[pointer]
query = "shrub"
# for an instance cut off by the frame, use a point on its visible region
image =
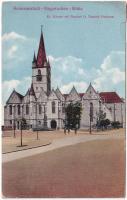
(115, 124)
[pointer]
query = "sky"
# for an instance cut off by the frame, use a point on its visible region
(84, 41)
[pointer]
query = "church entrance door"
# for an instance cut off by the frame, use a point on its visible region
(53, 124)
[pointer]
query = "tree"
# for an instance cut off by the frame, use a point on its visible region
(73, 115)
(100, 119)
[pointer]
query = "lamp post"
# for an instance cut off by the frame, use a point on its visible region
(21, 123)
(36, 122)
(14, 121)
(90, 117)
(121, 115)
(58, 114)
(45, 117)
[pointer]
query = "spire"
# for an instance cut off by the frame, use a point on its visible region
(41, 56)
(34, 58)
(31, 91)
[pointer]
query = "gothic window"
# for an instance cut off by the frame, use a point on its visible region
(27, 110)
(18, 109)
(53, 107)
(40, 109)
(63, 108)
(10, 109)
(39, 76)
(91, 112)
(39, 72)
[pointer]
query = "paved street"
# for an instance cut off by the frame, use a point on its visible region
(60, 142)
(73, 166)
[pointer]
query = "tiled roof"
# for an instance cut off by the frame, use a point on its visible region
(110, 97)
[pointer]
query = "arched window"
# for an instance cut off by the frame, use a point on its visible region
(91, 112)
(63, 108)
(39, 76)
(10, 109)
(53, 107)
(18, 109)
(39, 72)
(27, 110)
(40, 109)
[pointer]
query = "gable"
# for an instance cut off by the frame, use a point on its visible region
(73, 95)
(42, 97)
(59, 94)
(91, 93)
(26, 99)
(15, 97)
(53, 96)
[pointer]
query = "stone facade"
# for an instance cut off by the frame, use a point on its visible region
(42, 106)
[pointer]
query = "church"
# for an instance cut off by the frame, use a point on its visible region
(43, 107)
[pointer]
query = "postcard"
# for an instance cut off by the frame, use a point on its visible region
(63, 96)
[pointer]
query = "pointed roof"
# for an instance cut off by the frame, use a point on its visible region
(59, 94)
(73, 90)
(28, 92)
(53, 93)
(90, 87)
(31, 91)
(34, 58)
(41, 56)
(17, 94)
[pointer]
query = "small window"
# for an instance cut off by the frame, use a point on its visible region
(40, 109)
(11, 122)
(53, 107)
(27, 110)
(39, 76)
(39, 72)
(10, 109)
(18, 109)
(91, 112)
(63, 108)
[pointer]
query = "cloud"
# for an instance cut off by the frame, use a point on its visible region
(67, 69)
(111, 71)
(67, 64)
(80, 87)
(12, 51)
(13, 36)
(16, 49)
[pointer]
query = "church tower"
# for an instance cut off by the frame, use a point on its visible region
(41, 70)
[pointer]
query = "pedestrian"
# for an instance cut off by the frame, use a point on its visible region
(65, 130)
(68, 130)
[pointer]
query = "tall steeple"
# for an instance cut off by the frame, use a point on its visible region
(41, 71)
(41, 56)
